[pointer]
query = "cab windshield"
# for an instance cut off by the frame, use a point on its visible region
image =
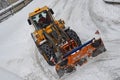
(41, 20)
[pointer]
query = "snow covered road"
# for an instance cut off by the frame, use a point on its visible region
(19, 55)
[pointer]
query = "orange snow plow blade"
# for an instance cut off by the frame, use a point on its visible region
(79, 55)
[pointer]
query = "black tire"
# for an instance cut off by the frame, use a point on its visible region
(72, 34)
(47, 53)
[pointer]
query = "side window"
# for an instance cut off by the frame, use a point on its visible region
(35, 20)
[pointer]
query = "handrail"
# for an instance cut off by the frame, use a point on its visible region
(12, 9)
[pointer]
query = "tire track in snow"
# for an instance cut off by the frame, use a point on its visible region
(71, 9)
(65, 3)
(92, 14)
(112, 75)
(54, 3)
(104, 23)
(48, 73)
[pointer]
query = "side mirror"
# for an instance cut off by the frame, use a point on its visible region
(29, 22)
(51, 11)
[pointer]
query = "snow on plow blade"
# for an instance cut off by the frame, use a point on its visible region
(79, 55)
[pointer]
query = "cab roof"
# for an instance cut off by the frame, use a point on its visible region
(38, 10)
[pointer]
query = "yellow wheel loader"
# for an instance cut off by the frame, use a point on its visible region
(59, 45)
(51, 36)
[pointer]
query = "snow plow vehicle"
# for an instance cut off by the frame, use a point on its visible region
(79, 55)
(50, 34)
(60, 45)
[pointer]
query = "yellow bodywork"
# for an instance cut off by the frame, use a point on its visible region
(39, 33)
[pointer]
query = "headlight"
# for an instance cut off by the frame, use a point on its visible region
(43, 41)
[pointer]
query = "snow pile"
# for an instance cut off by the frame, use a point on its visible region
(19, 55)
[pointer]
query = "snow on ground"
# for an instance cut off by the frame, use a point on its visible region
(19, 55)
(6, 75)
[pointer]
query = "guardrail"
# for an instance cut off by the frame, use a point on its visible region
(12, 9)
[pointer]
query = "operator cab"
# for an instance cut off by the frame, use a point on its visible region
(42, 19)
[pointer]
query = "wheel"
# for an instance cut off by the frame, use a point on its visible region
(48, 54)
(72, 34)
